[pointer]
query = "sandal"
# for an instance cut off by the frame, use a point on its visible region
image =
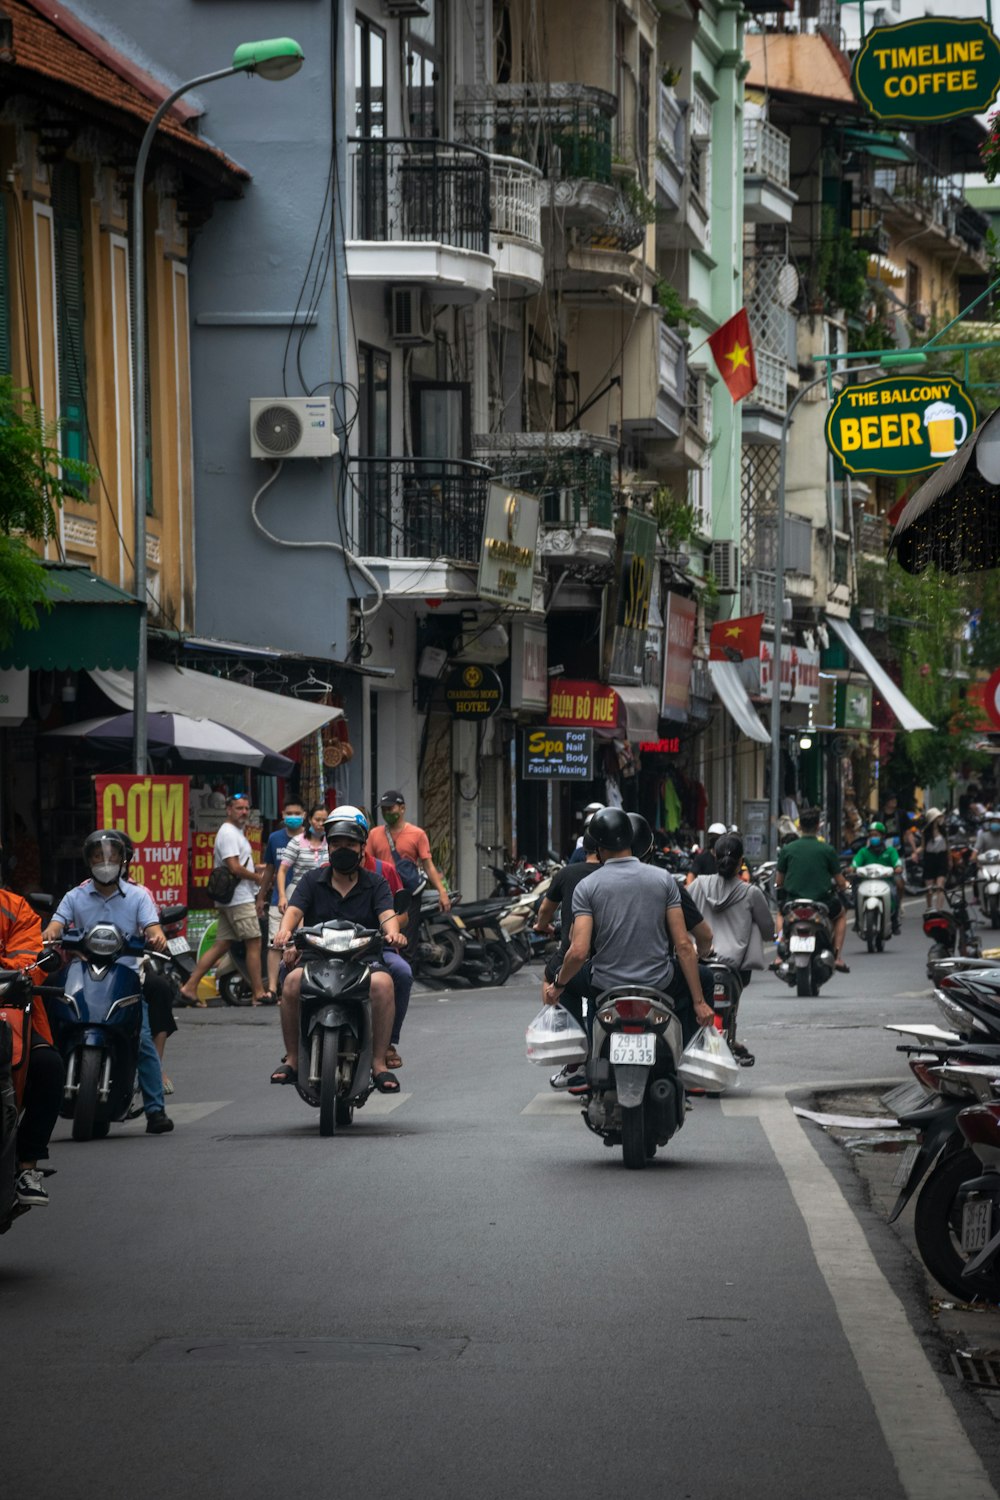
(285, 1073)
(841, 967)
(392, 1057)
(268, 998)
(387, 1083)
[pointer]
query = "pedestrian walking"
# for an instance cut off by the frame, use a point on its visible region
(935, 858)
(306, 851)
(293, 818)
(236, 913)
(406, 846)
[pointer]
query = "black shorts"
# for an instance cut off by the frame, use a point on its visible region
(936, 865)
(158, 994)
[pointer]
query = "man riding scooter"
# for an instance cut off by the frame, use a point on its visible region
(878, 851)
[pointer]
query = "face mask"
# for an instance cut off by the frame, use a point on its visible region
(392, 818)
(345, 861)
(874, 843)
(293, 824)
(995, 828)
(105, 872)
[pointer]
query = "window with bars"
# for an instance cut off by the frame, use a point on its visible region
(67, 216)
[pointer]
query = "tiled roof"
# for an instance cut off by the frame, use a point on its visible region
(62, 57)
(788, 62)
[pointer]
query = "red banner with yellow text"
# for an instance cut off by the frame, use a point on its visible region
(590, 704)
(153, 812)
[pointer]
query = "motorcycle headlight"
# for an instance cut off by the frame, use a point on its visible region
(958, 1018)
(104, 940)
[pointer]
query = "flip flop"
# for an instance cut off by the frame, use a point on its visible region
(387, 1083)
(841, 967)
(392, 1057)
(285, 1073)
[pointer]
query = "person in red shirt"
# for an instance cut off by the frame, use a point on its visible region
(395, 963)
(400, 840)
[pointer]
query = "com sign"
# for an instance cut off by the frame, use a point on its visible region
(932, 69)
(899, 426)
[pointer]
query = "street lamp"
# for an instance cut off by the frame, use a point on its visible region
(274, 60)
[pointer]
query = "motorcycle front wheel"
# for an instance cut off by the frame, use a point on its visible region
(497, 966)
(328, 1113)
(85, 1108)
(634, 1137)
(870, 921)
(937, 1226)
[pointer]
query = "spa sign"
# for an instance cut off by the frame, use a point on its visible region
(900, 426)
(927, 70)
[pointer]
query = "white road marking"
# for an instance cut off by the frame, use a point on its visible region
(382, 1104)
(928, 1444)
(183, 1114)
(553, 1104)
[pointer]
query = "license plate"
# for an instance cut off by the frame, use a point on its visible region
(976, 1218)
(178, 945)
(798, 944)
(633, 1051)
(905, 1167)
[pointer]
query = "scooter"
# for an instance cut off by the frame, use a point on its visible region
(727, 989)
(805, 948)
(98, 1021)
(951, 930)
(988, 885)
(437, 941)
(178, 963)
(873, 893)
(636, 1098)
(335, 1019)
(488, 954)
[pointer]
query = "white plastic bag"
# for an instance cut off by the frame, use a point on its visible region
(707, 1062)
(554, 1038)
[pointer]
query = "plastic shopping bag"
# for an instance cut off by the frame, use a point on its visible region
(554, 1038)
(707, 1062)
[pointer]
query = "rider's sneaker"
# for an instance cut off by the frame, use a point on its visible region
(29, 1190)
(158, 1123)
(572, 1075)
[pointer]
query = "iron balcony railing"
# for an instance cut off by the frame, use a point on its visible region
(419, 507)
(569, 472)
(515, 200)
(842, 564)
(765, 152)
(564, 129)
(771, 390)
(758, 592)
(428, 190)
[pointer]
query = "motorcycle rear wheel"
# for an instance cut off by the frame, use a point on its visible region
(497, 966)
(634, 1137)
(234, 989)
(85, 1108)
(451, 950)
(937, 1226)
(328, 1101)
(803, 982)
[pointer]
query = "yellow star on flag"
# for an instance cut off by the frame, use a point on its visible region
(737, 356)
(734, 630)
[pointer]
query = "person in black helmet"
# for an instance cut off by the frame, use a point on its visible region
(630, 913)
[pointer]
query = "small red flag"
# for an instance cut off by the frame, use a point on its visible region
(732, 350)
(735, 640)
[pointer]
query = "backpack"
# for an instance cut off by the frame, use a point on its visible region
(408, 870)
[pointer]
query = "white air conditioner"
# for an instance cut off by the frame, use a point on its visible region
(725, 564)
(291, 427)
(411, 315)
(488, 647)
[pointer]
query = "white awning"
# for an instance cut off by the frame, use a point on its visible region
(640, 712)
(729, 686)
(274, 719)
(908, 716)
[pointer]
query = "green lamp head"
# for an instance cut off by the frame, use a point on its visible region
(275, 59)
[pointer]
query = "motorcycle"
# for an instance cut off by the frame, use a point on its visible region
(727, 989)
(335, 1019)
(437, 939)
(178, 963)
(488, 954)
(988, 885)
(636, 1098)
(519, 923)
(97, 1024)
(805, 948)
(873, 892)
(951, 930)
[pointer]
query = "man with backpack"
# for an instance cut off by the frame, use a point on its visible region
(406, 846)
(233, 887)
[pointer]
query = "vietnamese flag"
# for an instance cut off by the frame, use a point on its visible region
(732, 350)
(735, 640)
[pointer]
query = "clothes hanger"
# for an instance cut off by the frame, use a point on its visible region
(312, 684)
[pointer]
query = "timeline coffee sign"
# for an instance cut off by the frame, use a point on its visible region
(932, 69)
(558, 753)
(899, 426)
(473, 692)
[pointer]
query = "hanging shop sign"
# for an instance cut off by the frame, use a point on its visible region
(473, 692)
(153, 811)
(675, 690)
(636, 560)
(799, 673)
(900, 426)
(591, 705)
(936, 68)
(660, 747)
(558, 753)
(854, 705)
(510, 546)
(529, 663)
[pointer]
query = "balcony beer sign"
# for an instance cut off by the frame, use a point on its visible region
(927, 70)
(510, 546)
(900, 426)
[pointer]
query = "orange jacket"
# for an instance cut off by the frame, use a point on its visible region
(20, 945)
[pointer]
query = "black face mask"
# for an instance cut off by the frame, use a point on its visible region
(345, 861)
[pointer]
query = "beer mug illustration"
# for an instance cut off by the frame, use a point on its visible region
(940, 419)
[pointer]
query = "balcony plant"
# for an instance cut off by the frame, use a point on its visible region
(676, 314)
(989, 151)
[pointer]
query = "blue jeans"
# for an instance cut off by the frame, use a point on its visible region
(402, 983)
(148, 1070)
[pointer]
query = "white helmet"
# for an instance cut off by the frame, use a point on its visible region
(591, 808)
(347, 822)
(718, 829)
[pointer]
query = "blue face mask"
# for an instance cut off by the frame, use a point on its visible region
(294, 824)
(874, 843)
(995, 828)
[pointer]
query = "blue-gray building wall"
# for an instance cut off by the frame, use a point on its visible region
(248, 264)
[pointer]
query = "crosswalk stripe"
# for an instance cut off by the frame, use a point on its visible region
(553, 1104)
(382, 1104)
(183, 1114)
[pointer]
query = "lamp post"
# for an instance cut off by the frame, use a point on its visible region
(274, 60)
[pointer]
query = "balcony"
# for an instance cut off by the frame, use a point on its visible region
(758, 593)
(764, 408)
(516, 223)
(868, 231)
(655, 378)
(570, 472)
(871, 537)
(670, 146)
(415, 518)
(421, 212)
(767, 194)
(918, 203)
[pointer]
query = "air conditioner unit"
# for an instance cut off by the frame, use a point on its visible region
(488, 647)
(725, 564)
(411, 315)
(400, 8)
(291, 427)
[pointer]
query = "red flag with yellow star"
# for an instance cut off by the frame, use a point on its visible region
(735, 640)
(732, 349)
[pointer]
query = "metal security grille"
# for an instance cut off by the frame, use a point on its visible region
(758, 499)
(767, 312)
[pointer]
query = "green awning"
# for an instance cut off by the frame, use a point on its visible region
(874, 144)
(92, 624)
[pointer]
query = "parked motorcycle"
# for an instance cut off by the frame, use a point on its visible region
(951, 929)
(436, 939)
(178, 963)
(98, 1021)
(805, 948)
(519, 923)
(873, 893)
(636, 1097)
(488, 956)
(988, 885)
(335, 1019)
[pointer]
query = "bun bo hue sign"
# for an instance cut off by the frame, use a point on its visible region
(932, 69)
(590, 704)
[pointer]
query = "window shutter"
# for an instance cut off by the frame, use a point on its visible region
(68, 219)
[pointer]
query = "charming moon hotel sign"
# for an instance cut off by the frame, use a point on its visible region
(932, 69)
(899, 426)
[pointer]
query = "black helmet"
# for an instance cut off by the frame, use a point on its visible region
(611, 829)
(642, 836)
(103, 841)
(589, 846)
